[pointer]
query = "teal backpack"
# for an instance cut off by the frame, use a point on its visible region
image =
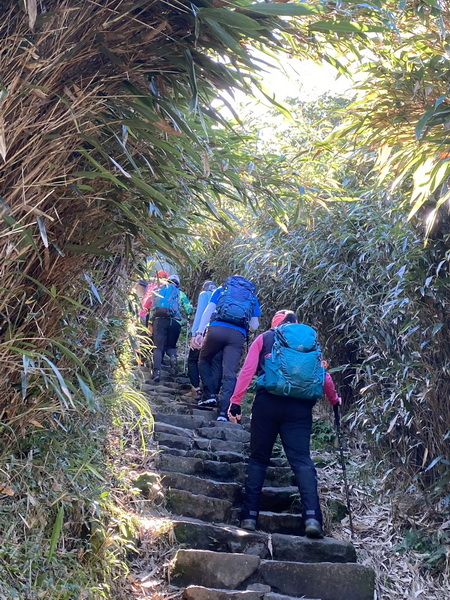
(165, 301)
(294, 366)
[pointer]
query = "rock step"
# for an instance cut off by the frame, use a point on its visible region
(219, 570)
(224, 431)
(275, 476)
(178, 450)
(288, 523)
(175, 439)
(197, 592)
(183, 421)
(278, 499)
(198, 506)
(220, 538)
(216, 445)
(207, 487)
(226, 538)
(274, 499)
(161, 427)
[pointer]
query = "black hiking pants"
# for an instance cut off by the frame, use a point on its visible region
(166, 332)
(291, 419)
(194, 371)
(231, 343)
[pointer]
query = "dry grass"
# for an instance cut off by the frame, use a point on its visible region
(380, 520)
(62, 68)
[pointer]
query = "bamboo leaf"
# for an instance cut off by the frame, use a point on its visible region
(93, 288)
(231, 18)
(283, 10)
(87, 391)
(60, 378)
(345, 27)
(42, 231)
(56, 532)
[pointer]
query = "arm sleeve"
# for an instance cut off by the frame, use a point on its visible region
(254, 324)
(202, 302)
(330, 390)
(206, 317)
(248, 370)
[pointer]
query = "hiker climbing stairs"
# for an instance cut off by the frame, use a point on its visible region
(202, 466)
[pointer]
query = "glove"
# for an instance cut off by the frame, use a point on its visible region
(235, 410)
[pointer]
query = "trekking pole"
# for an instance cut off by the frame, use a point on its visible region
(337, 421)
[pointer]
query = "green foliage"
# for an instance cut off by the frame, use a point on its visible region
(401, 114)
(361, 276)
(432, 547)
(323, 434)
(56, 489)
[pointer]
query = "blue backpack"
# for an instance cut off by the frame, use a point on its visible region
(236, 304)
(166, 301)
(294, 366)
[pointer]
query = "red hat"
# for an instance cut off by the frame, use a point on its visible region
(278, 318)
(163, 274)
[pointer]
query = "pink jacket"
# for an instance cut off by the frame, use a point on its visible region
(250, 367)
(146, 302)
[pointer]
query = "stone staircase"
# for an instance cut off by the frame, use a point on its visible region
(202, 465)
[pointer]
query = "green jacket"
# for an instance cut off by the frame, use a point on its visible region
(186, 308)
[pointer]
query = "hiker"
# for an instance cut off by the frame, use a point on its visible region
(167, 303)
(146, 301)
(233, 309)
(208, 288)
(297, 379)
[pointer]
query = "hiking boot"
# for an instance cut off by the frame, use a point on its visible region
(248, 524)
(207, 403)
(313, 529)
(156, 376)
(222, 417)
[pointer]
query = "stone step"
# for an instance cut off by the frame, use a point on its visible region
(196, 466)
(161, 427)
(184, 421)
(232, 452)
(198, 506)
(327, 581)
(198, 592)
(279, 477)
(207, 487)
(169, 440)
(150, 393)
(275, 476)
(229, 431)
(219, 570)
(272, 596)
(220, 538)
(226, 538)
(278, 499)
(288, 523)
(294, 548)
(181, 448)
(257, 592)
(215, 445)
